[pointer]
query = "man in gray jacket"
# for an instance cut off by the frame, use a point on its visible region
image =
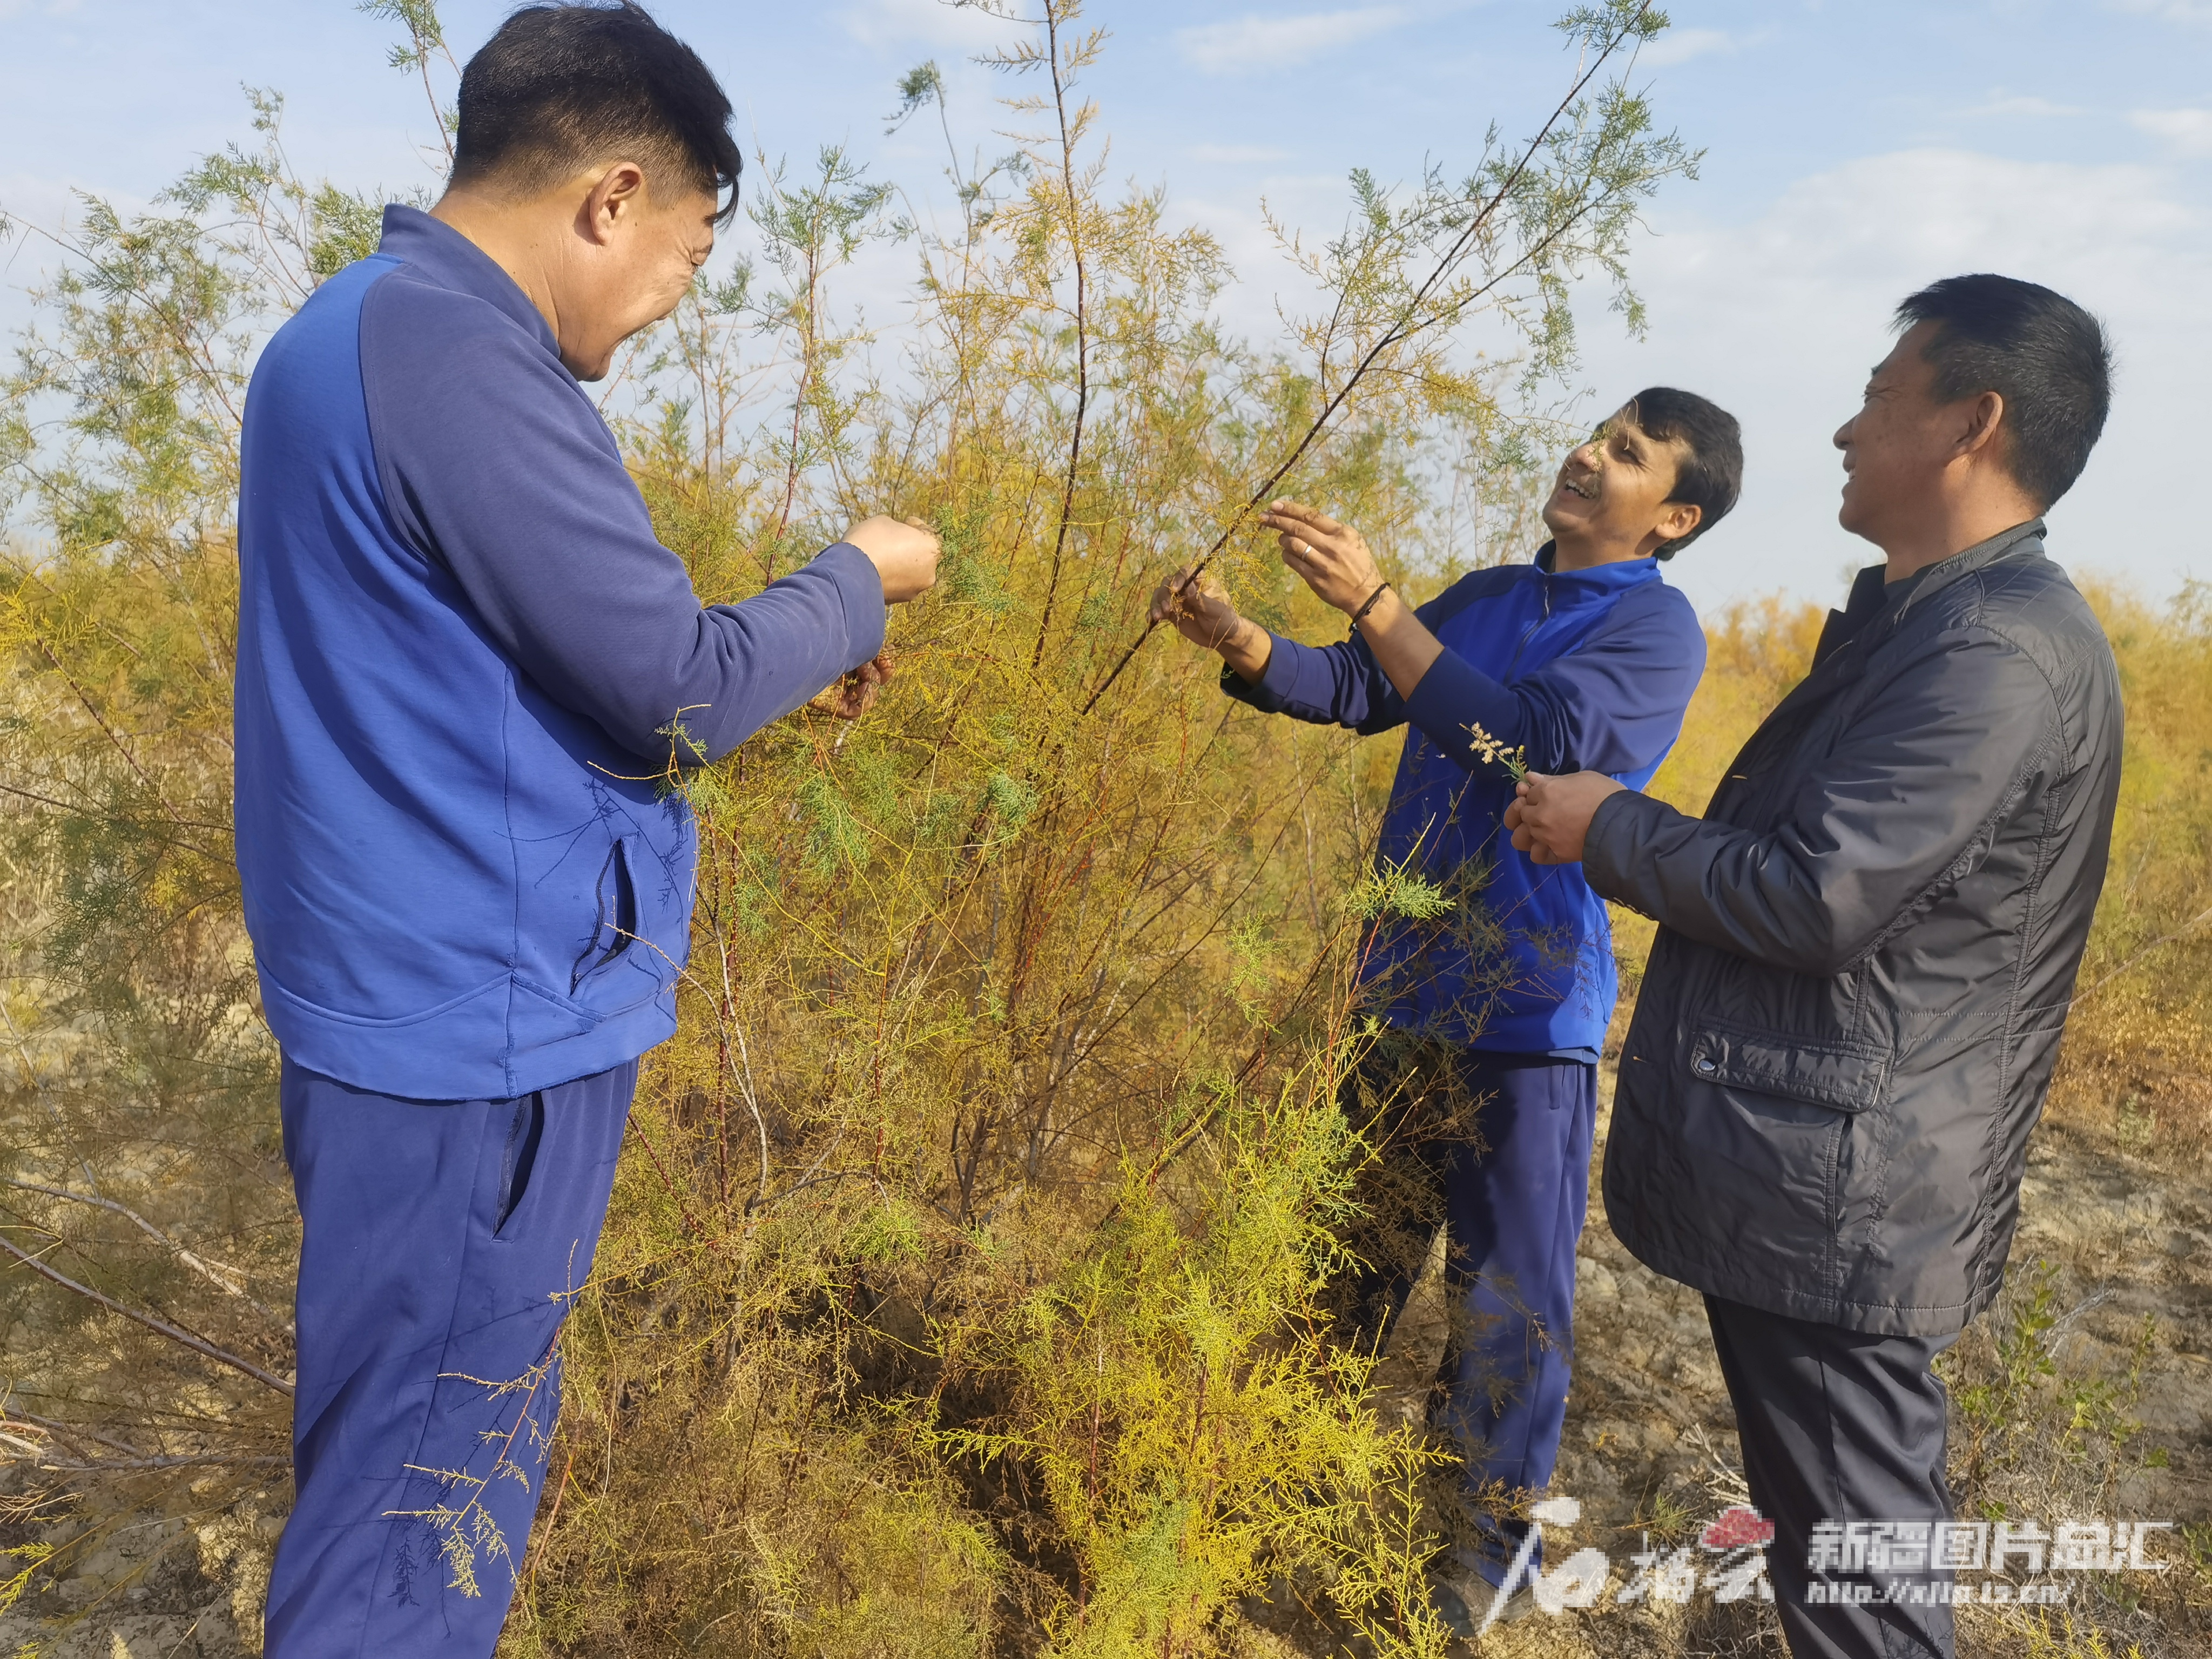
(1866, 950)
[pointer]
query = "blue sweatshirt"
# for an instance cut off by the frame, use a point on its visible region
(1586, 670)
(460, 652)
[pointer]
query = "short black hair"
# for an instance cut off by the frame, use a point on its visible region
(2043, 354)
(1712, 472)
(559, 87)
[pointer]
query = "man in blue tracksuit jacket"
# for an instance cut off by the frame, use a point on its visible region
(1502, 1005)
(462, 654)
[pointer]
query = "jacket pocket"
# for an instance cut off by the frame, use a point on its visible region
(615, 929)
(1843, 1076)
(1769, 1124)
(520, 1159)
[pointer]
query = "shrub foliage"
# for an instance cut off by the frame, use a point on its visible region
(962, 1290)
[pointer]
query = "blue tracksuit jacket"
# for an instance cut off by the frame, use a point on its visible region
(460, 652)
(1587, 671)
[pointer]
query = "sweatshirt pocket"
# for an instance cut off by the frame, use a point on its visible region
(615, 929)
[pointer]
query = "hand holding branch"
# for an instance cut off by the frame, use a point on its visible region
(1196, 603)
(904, 551)
(856, 693)
(1550, 817)
(1334, 559)
(1331, 558)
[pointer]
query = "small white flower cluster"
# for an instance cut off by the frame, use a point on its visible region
(1495, 753)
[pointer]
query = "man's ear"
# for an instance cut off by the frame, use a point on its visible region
(1678, 519)
(618, 194)
(1984, 419)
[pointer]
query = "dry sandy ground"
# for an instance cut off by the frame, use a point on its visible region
(1649, 1443)
(1651, 1439)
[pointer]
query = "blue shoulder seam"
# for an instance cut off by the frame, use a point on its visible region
(1482, 584)
(387, 484)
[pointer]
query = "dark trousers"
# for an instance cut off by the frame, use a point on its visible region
(1497, 1147)
(439, 1239)
(1840, 1426)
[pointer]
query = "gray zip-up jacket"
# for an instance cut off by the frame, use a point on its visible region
(1866, 951)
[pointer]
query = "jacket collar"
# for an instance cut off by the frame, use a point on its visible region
(437, 252)
(1620, 575)
(2022, 538)
(1872, 597)
(1941, 574)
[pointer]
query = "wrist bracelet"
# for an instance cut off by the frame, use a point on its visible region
(1360, 615)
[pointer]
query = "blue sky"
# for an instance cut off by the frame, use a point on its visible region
(1855, 149)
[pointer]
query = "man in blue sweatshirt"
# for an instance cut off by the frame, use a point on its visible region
(1483, 1099)
(462, 657)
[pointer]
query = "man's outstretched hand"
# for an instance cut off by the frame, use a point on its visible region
(1199, 611)
(1332, 558)
(904, 552)
(1551, 817)
(856, 693)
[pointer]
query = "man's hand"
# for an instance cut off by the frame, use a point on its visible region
(1550, 817)
(856, 693)
(1332, 558)
(904, 552)
(1201, 611)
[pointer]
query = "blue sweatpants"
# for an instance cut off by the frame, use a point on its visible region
(440, 1239)
(1497, 1147)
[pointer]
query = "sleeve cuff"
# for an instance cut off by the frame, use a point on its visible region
(1270, 693)
(854, 574)
(1610, 845)
(1454, 697)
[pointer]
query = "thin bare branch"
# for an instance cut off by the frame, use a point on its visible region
(229, 1281)
(1406, 325)
(159, 1327)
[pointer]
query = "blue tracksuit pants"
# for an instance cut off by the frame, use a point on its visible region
(1497, 1147)
(440, 1238)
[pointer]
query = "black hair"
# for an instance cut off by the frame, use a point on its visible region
(2043, 354)
(559, 87)
(1711, 475)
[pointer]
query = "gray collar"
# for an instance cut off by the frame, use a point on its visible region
(2026, 539)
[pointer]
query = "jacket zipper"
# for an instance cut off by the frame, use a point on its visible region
(1544, 586)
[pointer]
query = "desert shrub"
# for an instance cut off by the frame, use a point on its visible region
(960, 1289)
(139, 1162)
(963, 1288)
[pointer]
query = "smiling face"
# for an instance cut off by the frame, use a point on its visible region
(636, 256)
(1898, 446)
(1610, 499)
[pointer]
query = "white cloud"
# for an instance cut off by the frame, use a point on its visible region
(2022, 104)
(2188, 131)
(1253, 42)
(1680, 45)
(925, 23)
(1237, 154)
(2178, 11)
